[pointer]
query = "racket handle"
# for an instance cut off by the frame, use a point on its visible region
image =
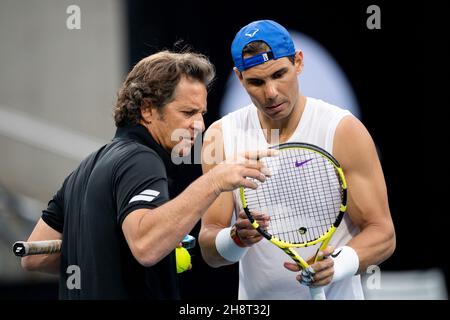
(317, 293)
(22, 248)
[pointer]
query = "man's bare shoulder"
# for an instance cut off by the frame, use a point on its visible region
(353, 144)
(216, 125)
(350, 128)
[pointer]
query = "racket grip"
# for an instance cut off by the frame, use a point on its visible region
(317, 293)
(22, 248)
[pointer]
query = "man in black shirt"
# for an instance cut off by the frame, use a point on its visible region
(113, 214)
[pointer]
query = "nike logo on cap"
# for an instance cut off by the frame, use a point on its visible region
(252, 34)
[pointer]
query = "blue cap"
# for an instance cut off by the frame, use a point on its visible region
(275, 35)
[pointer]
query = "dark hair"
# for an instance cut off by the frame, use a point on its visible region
(155, 79)
(259, 46)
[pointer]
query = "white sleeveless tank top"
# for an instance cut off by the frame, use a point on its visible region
(261, 271)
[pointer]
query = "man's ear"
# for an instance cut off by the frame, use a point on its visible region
(147, 111)
(238, 74)
(298, 61)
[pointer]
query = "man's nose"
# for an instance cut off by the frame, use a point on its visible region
(271, 91)
(199, 124)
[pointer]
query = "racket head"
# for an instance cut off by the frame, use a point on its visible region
(305, 197)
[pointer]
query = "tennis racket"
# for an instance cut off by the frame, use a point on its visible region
(305, 197)
(22, 248)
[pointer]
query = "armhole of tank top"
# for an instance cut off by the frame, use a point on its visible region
(332, 129)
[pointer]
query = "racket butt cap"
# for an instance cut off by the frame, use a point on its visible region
(19, 249)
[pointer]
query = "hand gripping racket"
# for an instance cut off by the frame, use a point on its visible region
(305, 197)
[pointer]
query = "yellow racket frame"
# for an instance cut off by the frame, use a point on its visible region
(287, 247)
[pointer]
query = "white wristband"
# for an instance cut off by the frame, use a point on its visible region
(346, 263)
(227, 248)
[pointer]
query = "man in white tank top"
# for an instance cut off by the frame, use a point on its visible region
(267, 66)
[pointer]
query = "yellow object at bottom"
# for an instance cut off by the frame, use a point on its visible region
(183, 259)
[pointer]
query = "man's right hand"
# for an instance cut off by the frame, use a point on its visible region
(245, 231)
(232, 174)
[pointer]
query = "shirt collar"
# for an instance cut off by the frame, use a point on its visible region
(141, 135)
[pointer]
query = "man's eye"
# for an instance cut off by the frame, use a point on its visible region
(256, 83)
(278, 75)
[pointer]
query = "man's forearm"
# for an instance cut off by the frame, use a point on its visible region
(208, 248)
(373, 245)
(162, 229)
(46, 263)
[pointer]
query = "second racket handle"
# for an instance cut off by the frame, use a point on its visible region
(22, 248)
(317, 293)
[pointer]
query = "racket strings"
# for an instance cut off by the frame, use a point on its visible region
(302, 197)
